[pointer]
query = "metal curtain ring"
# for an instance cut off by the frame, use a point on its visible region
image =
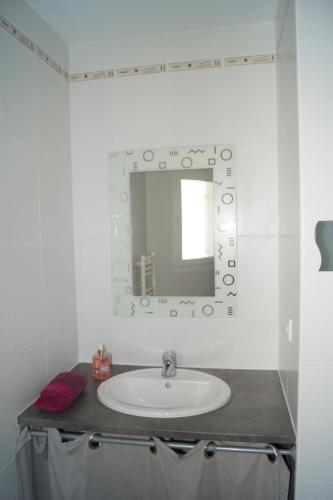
(153, 447)
(92, 443)
(210, 450)
(153, 450)
(272, 458)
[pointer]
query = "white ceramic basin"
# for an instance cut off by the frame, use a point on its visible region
(146, 393)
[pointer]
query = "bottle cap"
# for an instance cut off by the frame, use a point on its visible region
(101, 350)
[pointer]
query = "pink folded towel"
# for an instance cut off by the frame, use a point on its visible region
(61, 392)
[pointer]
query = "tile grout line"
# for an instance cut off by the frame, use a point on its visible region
(8, 464)
(286, 400)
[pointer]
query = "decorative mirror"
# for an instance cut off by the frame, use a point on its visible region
(173, 232)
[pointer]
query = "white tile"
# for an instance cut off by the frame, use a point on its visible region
(258, 277)
(90, 196)
(117, 53)
(49, 41)
(157, 336)
(8, 487)
(289, 309)
(314, 490)
(30, 372)
(252, 344)
(161, 48)
(61, 351)
(230, 41)
(18, 89)
(315, 438)
(257, 191)
(289, 281)
(257, 39)
(87, 343)
(317, 341)
(65, 60)
(88, 139)
(239, 343)
(3, 214)
(286, 70)
(93, 282)
(21, 182)
(26, 293)
(60, 299)
(52, 128)
(249, 107)
(8, 415)
(66, 119)
(280, 19)
(200, 343)
(235, 105)
(5, 307)
(55, 196)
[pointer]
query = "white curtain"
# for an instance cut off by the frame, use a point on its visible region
(49, 469)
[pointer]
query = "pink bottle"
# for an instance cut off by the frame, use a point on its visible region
(102, 364)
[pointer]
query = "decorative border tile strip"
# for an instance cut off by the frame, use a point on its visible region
(140, 70)
(238, 61)
(48, 60)
(92, 75)
(190, 65)
(22, 38)
(25, 40)
(176, 66)
(17, 33)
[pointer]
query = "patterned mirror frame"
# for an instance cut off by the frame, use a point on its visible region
(221, 158)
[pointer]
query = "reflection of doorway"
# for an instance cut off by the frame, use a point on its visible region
(162, 205)
(197, 219)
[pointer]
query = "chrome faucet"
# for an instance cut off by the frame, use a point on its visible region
(169, 364)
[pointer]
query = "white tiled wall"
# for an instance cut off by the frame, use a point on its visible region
(314, 31)
(171, 47)
(289, 202)
(38, 332)
(234, 105)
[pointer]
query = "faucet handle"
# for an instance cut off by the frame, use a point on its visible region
(170, 356)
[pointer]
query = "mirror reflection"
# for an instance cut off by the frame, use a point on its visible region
(172, 221)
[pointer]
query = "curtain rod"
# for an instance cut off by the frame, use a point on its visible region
(98, 439)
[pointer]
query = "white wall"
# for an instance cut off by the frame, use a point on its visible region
(233, 105)
(38, 334)
(314, 29)
(289, 200)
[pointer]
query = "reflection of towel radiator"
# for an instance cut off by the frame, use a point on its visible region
(147, 272)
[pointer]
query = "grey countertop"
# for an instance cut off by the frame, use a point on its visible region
(256, 413)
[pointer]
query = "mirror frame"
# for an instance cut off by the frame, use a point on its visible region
(219, 157)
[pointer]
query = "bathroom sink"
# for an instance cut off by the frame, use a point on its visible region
(146, 393)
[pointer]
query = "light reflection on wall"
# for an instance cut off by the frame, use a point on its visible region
(197, 219)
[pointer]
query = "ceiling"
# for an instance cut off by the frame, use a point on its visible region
(85, 21)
